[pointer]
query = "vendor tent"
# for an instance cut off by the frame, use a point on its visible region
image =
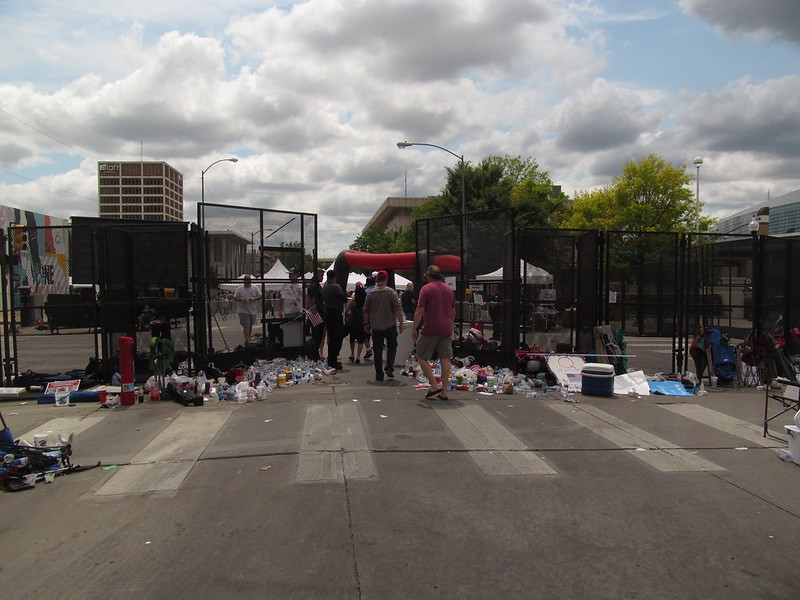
(529, 274)
(400, 282)
(354, 278)
(278, 271)
(232, 287)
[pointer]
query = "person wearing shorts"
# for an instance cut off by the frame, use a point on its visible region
(246, 297)
(433, 328)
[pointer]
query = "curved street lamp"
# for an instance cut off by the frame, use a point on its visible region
(698, 160)
(403, 145)
(203, 176)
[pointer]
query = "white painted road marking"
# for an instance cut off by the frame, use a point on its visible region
(334, 445)
(495, 449)
(722, 422)
(64, 426)
(166, 461)
(660, 454)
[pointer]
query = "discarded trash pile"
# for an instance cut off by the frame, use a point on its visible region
(240, 384)
(563, 374)
(24, 464)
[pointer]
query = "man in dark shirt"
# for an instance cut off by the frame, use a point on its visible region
(334, 298)
(314, 302)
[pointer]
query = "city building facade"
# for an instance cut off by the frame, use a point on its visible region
(150, 191)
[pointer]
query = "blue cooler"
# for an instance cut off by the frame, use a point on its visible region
(597, 379)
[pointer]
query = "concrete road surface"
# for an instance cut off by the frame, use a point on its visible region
(349, 489)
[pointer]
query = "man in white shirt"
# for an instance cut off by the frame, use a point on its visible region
(246, 298)
(290, 303)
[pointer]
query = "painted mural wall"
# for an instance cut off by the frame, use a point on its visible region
(43, 266)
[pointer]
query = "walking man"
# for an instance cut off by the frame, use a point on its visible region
(334, 298)
(382, 309)
(246, 297)
(436, 313)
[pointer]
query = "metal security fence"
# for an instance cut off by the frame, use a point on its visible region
(70, 292)
(265, 244)
(547, 290)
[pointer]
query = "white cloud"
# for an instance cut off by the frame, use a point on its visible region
(764, 19)
(313, 96)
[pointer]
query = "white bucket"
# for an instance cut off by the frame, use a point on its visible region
(40, 440)
(793, 435)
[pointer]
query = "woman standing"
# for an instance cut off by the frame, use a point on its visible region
(354, 317)
(409, 301)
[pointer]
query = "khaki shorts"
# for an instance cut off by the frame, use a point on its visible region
(247, 320)
(428, 344)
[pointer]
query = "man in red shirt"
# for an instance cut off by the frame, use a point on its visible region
(436, 312)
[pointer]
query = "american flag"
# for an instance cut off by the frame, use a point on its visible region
(313, 316)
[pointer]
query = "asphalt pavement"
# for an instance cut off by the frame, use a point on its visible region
(347, 488)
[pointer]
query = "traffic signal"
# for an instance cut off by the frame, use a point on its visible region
(20, 238)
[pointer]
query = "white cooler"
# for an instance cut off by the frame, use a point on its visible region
(597, 379)
(793, 435)
(405, 344)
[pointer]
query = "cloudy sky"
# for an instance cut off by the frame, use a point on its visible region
(313, 97)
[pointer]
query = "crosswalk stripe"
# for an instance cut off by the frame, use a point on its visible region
(165, 462)
(495, 449)
(659, 453)
(64, 426)
(722, 422)
(334, 445)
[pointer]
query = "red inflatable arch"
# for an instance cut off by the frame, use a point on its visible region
(399, 261)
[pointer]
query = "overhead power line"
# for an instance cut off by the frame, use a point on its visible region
(52, 137)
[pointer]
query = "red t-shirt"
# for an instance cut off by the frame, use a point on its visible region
(438, 300)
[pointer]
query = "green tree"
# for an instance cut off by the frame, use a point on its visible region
(649, 195)
(375, 240)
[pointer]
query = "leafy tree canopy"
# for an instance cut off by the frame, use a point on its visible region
(649, 195)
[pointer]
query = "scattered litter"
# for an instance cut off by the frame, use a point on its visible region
(109, 467)
(269, 421)
(641, 450)
(742, 448)
(384, 417)
(377, 400)
(146, 543)
(784, 455)
(265, 468)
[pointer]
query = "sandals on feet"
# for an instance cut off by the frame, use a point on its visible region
(432, 393)
(442, 397)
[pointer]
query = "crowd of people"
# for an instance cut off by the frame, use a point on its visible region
(372, 317)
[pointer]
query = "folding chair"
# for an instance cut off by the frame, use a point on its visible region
(787, 397)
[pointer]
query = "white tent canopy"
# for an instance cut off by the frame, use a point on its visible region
(233, 286)
(529, 274)
(400, 282)
(352, 279)
(278, 271)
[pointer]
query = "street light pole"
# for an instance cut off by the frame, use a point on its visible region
(403, 145)
(698, 160)
(756, 275)
(203, 176)
(463, 249)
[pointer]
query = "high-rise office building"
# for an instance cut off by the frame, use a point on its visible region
(150, 191)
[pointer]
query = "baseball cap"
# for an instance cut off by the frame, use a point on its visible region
(382, 275)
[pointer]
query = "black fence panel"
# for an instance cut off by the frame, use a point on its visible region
(90, 283)
(265, 244)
